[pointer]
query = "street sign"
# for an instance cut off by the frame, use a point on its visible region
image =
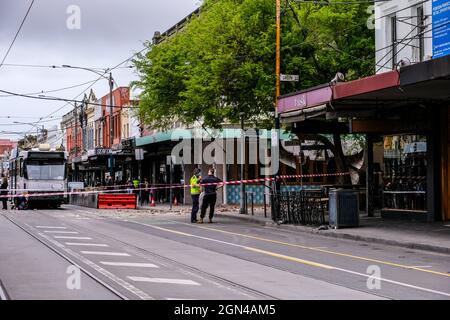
(441, 28)
(289, 78)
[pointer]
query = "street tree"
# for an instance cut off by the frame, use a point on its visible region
(221, 65)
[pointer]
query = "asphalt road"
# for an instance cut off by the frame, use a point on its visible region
(123, 255)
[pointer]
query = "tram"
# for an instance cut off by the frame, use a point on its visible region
(41, 172)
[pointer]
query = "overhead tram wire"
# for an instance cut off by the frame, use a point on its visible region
(17, 33)
(52, 91)
(61, 99)
(341, 2)
(98, 79)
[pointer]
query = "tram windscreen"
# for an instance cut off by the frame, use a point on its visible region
(45, 170)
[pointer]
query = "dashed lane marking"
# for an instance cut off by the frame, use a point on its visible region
(86, 244)
(48, 227)
(72, 238)
(61, 232)
(129, 264)
(104, 253)
(164, 280)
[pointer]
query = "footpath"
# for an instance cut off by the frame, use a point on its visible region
(434, 237)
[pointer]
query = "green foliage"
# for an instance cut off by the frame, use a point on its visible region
(223, 62)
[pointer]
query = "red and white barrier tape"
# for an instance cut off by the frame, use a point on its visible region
(223, 183)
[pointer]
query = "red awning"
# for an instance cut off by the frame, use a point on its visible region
(366, 85)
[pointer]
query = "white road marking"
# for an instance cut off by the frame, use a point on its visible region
(2, 293)
(61, 232)
(102, 253)
(47, 227)
(395, 282)
(72, 238)
(86, 244)
(139, 293)
(129, 264)
(298, 260)
(163, 280)
(424, 267)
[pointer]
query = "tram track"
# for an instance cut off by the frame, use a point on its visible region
(146, 254)
(68, 259)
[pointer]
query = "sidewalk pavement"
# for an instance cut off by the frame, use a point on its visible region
(434, 237)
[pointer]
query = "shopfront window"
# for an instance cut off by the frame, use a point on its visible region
(405, 174)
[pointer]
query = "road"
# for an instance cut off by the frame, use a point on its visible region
(133, 255)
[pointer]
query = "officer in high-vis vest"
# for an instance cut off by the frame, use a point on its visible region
(195, 193)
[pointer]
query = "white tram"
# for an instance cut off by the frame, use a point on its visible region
(38, 171)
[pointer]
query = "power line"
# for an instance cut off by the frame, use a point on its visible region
(62, 99)
(17, 33)
(51, 91)
(341, 2)
(21, 65)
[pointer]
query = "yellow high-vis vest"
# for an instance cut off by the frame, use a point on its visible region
(195, 188)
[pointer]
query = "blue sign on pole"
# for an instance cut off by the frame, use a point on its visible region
(441, 28)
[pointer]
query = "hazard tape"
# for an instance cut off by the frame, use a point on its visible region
(165, 187)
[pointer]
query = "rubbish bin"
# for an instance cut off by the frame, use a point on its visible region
(343, 208)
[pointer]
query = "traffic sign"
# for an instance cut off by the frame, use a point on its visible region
(290, 78)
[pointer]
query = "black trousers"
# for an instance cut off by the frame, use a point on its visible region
(209, 200)
(5, 205)
(195, 206)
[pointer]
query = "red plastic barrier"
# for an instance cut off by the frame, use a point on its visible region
(117, 201)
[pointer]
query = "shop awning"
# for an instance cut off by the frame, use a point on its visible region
(420, 84)
(179, 134)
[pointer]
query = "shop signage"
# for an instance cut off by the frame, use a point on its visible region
(127, 144)
(304, 100)
(102, 151)
(441, 28)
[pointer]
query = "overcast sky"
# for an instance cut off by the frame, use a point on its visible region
(110, 32)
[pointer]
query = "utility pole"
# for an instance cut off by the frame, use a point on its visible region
(111, 129)
(242, 209)
(278, 54)
(278, 84)
(75, 113)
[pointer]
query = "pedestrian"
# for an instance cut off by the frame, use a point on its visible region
(145, 193)
(110, 184)
(4, 192)
(129, 186)
(137, 186)
(210, 197)
(195, 194)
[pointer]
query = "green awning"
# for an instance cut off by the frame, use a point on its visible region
(179, 134)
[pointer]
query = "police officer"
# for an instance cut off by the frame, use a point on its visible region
(195, 193)
(210, 198)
